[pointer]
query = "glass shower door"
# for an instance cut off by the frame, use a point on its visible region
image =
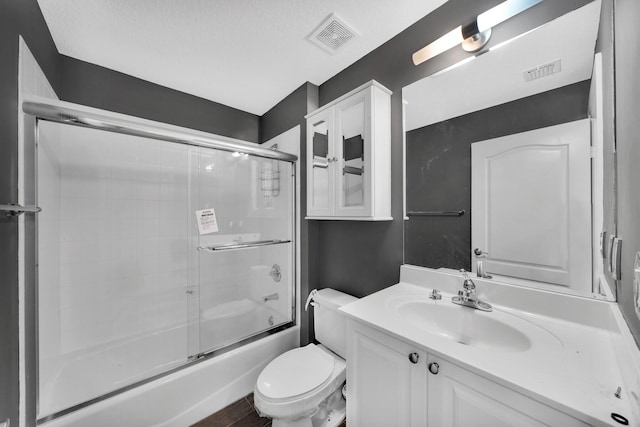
(113, 252)
(151, 254)
(245, 247)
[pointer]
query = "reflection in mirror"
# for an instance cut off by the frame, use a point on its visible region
(540, 201)
(352, 131)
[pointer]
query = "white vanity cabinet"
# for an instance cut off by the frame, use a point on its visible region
(386, 388)
(458, 397)
(386, 380)
(349, 156)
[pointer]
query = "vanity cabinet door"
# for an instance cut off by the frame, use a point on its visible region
(386, 380)
(321, 161)
(460, 398)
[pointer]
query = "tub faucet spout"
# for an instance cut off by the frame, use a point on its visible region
(274, 296)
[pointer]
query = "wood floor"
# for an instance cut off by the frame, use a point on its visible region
(239, 414)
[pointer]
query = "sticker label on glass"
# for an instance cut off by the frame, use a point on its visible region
(207, 222)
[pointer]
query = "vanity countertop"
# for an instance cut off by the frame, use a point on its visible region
(567, 362)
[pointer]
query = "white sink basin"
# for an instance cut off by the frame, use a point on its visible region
(496, 330)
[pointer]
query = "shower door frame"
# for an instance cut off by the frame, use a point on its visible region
(37, 109)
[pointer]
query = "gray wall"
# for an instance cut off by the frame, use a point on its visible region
(359, 257)
(100, 87)
(17, 17)
(628, 144)
(438, 169)
(286, 114)
(363, 257)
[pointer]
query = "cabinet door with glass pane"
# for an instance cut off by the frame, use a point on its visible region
(353, 147)
(320, 164)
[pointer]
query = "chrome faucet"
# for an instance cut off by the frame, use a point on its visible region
(467, 297)
(480, 271)
(271, 297)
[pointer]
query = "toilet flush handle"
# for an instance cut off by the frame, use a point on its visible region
(312, 294)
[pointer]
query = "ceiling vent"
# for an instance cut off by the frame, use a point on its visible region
(332, 34)
(543, 71)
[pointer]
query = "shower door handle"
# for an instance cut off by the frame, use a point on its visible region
(244, 245)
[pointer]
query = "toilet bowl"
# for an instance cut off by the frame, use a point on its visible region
(303, 387)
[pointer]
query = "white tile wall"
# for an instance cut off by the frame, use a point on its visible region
(119, 242)
(124, 244)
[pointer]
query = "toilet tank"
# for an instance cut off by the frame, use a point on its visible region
(330, 324)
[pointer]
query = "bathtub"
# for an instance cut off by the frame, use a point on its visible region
(182, 397)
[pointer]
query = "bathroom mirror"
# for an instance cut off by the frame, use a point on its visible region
(557, 73)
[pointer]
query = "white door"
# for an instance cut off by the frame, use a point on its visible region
(531, 205)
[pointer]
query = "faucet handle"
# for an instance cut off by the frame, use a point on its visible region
(479, 252)
(468, 283)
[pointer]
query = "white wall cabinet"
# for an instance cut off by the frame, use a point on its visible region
(349, 157)
(385, 388)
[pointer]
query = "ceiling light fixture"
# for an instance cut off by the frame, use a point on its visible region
(475, 35)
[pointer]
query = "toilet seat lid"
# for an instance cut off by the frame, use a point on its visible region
(295, 372)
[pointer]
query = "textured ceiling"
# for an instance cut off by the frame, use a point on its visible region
(247, 54)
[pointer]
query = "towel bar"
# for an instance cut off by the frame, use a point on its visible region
(15, 209)
(436, 213)
(237, 245)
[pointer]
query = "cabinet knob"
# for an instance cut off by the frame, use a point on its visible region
(434, 368)
(413, 357)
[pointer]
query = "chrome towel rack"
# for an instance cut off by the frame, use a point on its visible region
(436, 213)
(243, 245)
(13, 209)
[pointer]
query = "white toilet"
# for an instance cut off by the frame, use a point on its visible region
(303, 387)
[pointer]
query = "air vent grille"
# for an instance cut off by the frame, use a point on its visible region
(543, 71)
(332, 34)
